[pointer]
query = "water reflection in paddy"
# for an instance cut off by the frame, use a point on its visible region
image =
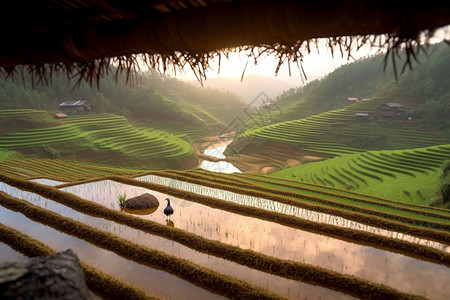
(395, 270)
(216, 149)
(47, 181)
(285, 287)
(286, 209)
(155, 282)
(8, 254)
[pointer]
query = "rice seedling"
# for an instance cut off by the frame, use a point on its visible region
(121, 198)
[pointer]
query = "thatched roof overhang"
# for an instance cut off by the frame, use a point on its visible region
(81, 35)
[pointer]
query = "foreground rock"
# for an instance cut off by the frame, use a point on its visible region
(143, 201)
(57, 276)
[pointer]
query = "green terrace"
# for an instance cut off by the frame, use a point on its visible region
(59, 170)
(337, 132)
(20, 111)
(104, 131)
(410, 176)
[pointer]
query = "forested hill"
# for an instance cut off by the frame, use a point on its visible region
(150, 98)
(425, 87)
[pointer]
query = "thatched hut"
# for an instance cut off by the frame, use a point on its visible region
(83, 37)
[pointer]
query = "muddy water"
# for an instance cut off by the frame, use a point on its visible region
(155, 282)
(286, 209)
(285, 287)
(395, 270)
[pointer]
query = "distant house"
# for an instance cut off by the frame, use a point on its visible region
(352, 99)
(391, 110)
(75, 106)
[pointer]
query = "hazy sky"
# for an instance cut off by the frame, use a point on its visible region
(316, 64)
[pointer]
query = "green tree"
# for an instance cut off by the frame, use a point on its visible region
(433, 109)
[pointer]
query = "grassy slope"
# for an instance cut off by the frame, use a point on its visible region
(410, 176)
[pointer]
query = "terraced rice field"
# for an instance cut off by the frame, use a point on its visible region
(20, 111)
(410, 176)
(330, 133)
(105, 132)
(232, 236)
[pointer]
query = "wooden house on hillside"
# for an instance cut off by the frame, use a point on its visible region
(391, 110)
(75, 106)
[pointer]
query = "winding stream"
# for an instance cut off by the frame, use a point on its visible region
(216, 149)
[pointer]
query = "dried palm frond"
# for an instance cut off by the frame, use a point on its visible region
(91, 71)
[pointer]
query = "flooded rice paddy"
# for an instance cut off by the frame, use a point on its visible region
(46, 181)
(154, 281)
(9, 254)
(286, 209)
(392, 269)
(288, 288)
(398, 271)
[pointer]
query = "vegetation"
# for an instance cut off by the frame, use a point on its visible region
(337, 132)
(318, 120)
(442, 197)
(121, 198)
(150, 98)
(409, 176)
(368, 78)
(103, 138)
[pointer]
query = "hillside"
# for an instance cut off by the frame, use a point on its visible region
(424, 88)
(339, 132)
(149, 99)
(105, 139)
(318, 115)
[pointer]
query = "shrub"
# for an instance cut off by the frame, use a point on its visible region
(445, 190)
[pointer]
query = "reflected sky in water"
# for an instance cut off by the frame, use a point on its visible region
(9, 254)
(288, 288)
(395, 270)
(216, 149)
(286, 209)
(154, 281)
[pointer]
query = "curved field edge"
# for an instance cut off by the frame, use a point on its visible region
(220, 249)
(371, 218)
(410, 175)
(97, 135)
(97, 281)
(184, 269)
(200, 276)
(33, 168)
(336, 191)
(335, 132)
(287, 188)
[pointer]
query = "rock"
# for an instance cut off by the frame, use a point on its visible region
(57, 276)
(142, 202)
